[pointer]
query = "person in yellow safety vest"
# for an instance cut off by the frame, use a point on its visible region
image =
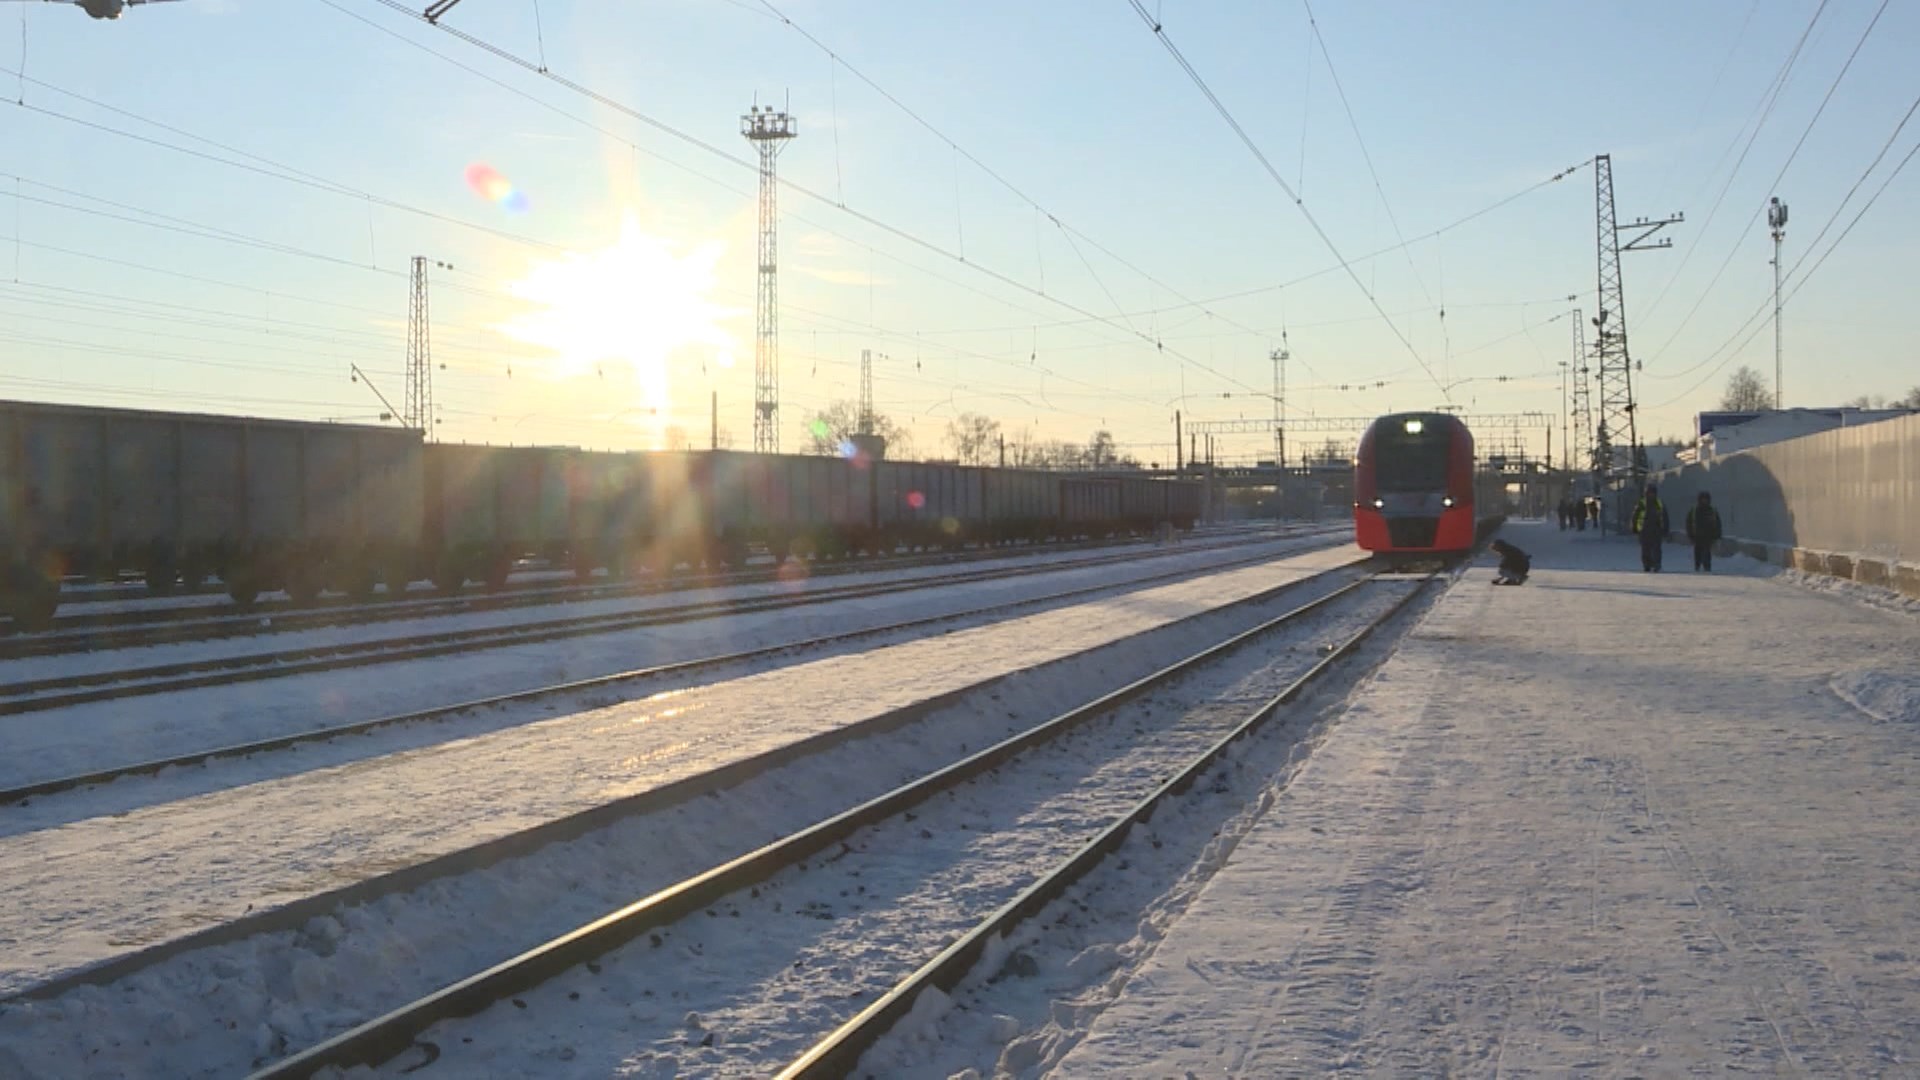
(1650, 524)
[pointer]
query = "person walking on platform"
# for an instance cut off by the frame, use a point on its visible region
(1650, 524)
(1703, 528)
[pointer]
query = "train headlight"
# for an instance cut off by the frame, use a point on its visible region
(1379, 504)
(1447, 501)
(1414, 427)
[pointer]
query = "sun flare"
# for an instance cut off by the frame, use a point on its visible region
(627, 313)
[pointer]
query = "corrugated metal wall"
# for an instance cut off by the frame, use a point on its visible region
(1853, 490)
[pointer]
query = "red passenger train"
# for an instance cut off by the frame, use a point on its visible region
(1413, 486)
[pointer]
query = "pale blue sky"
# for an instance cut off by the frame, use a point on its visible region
(1075, 104)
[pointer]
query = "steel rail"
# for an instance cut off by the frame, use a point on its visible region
(41, 695)
(525, 841)
(839, 1053)
(384, 1037)
(97, 631)
(20, 793)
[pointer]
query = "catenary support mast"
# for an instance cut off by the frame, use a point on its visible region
(1617, 434)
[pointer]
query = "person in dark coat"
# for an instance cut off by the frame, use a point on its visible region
(1650, 525)
(1514, 564)
(1703, 528)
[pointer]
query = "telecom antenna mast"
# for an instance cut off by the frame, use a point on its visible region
(1777, 221)
(768, 130)
(419, 412)
(1581, 447)
(1619, 438)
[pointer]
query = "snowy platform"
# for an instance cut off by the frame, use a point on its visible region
(1608, 822)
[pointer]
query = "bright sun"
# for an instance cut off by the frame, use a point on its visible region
(624, 312)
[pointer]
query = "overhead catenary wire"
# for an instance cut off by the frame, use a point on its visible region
(1160, 33)
(1801, 281)
(1769, 99)
(695, 141)
(1760, 208)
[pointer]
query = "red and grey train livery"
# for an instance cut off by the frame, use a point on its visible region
(1414, 486)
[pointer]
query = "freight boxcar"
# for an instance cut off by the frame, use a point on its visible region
(487, 506)
(791, 503)
(1020, 504)
(265, 504)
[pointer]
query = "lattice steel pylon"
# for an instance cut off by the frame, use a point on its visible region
(866, 391)
(1617, 436)
(769, 131)
(1582, 448)
(419, 409)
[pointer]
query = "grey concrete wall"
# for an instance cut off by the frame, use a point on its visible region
(1844, 502)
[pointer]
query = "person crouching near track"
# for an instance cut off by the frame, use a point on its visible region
(1650, 524)
(1703, 528)
(1514, 564)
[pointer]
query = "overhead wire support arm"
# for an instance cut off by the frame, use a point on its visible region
(437, 9)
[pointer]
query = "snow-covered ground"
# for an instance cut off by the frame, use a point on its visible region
(86, 738)
(216, 1011)
(84, 892)
(1608, 822)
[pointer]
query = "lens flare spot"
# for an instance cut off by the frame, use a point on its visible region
(819, 428)
(916, 500)
(950, 526)
(487, 183)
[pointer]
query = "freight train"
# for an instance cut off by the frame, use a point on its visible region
(1416, 490)
(280, 505)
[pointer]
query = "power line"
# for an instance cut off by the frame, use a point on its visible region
(1808, 251)
(1067, 231)
(1769, 99)
(1774, 186)
(1803, 279)
(695, 141)
(1207, 91)
(1364, 154)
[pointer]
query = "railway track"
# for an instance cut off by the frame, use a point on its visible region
(95, 631)
(53, 692)
(1070, 804)
(24, 792)
(372, 897)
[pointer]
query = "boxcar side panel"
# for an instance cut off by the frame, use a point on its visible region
(143, 482)
(212, 510)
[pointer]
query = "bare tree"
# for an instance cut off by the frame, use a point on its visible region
(1100, 452)
(828, 429)
(1026, 452)
(1912, 400)
(675, 438)
(1746, 392)
(975, 439)
(1868, 401)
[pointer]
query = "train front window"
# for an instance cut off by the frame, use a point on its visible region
(1406, 462)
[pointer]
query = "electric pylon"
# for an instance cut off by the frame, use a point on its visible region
(1582, 447)
(866, 391)
(419, 412)
(1618, 434)
(768, 130)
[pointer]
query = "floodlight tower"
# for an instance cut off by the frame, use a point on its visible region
(1777, 221)
(768, 130)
